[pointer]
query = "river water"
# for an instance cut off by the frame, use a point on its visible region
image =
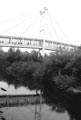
(68, 106)
(28, 113)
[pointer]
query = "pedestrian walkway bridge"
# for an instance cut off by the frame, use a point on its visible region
(21, 42)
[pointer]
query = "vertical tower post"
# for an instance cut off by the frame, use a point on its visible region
(43, 13)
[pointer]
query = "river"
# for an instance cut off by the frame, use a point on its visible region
(28, 113)
(61, 106)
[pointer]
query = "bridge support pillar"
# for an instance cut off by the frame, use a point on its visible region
(43, 47)
(13, 48)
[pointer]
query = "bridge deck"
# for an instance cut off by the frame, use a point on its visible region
(21, 42)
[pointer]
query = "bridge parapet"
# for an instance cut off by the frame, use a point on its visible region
(9, 41)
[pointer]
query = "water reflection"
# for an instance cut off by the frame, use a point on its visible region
(1, 115)
(61, 101)
(28, 112)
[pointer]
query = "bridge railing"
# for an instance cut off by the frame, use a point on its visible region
(21, 42)
(52, 45)
(7, 41)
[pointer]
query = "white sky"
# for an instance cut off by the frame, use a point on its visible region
(67, 13)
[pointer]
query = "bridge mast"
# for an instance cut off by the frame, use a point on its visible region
(42, 13)
(38, 107)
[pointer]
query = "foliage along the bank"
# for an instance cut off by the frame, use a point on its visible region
(33, 71)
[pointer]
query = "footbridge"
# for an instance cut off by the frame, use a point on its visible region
(42, 44)
(32, 43)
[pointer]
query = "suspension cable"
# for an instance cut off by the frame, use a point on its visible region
(53, 27)
(59, 27)
(50, 22)
(57, 33)
(17, 24)
(50, 32)
(30, 25)
(17, 17)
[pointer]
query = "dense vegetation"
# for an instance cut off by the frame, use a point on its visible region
(32, 70)
(56, 75)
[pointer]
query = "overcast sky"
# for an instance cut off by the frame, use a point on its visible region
(17, 16)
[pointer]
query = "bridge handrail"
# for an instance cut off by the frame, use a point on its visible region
(7, 41)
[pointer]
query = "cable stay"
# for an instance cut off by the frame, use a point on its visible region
(56, 33)
(47, 28)
(59, 26)
(18, 17)
(29, 26)
(46, 21)
(54, 29)
(49, 31)
(19, 23)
